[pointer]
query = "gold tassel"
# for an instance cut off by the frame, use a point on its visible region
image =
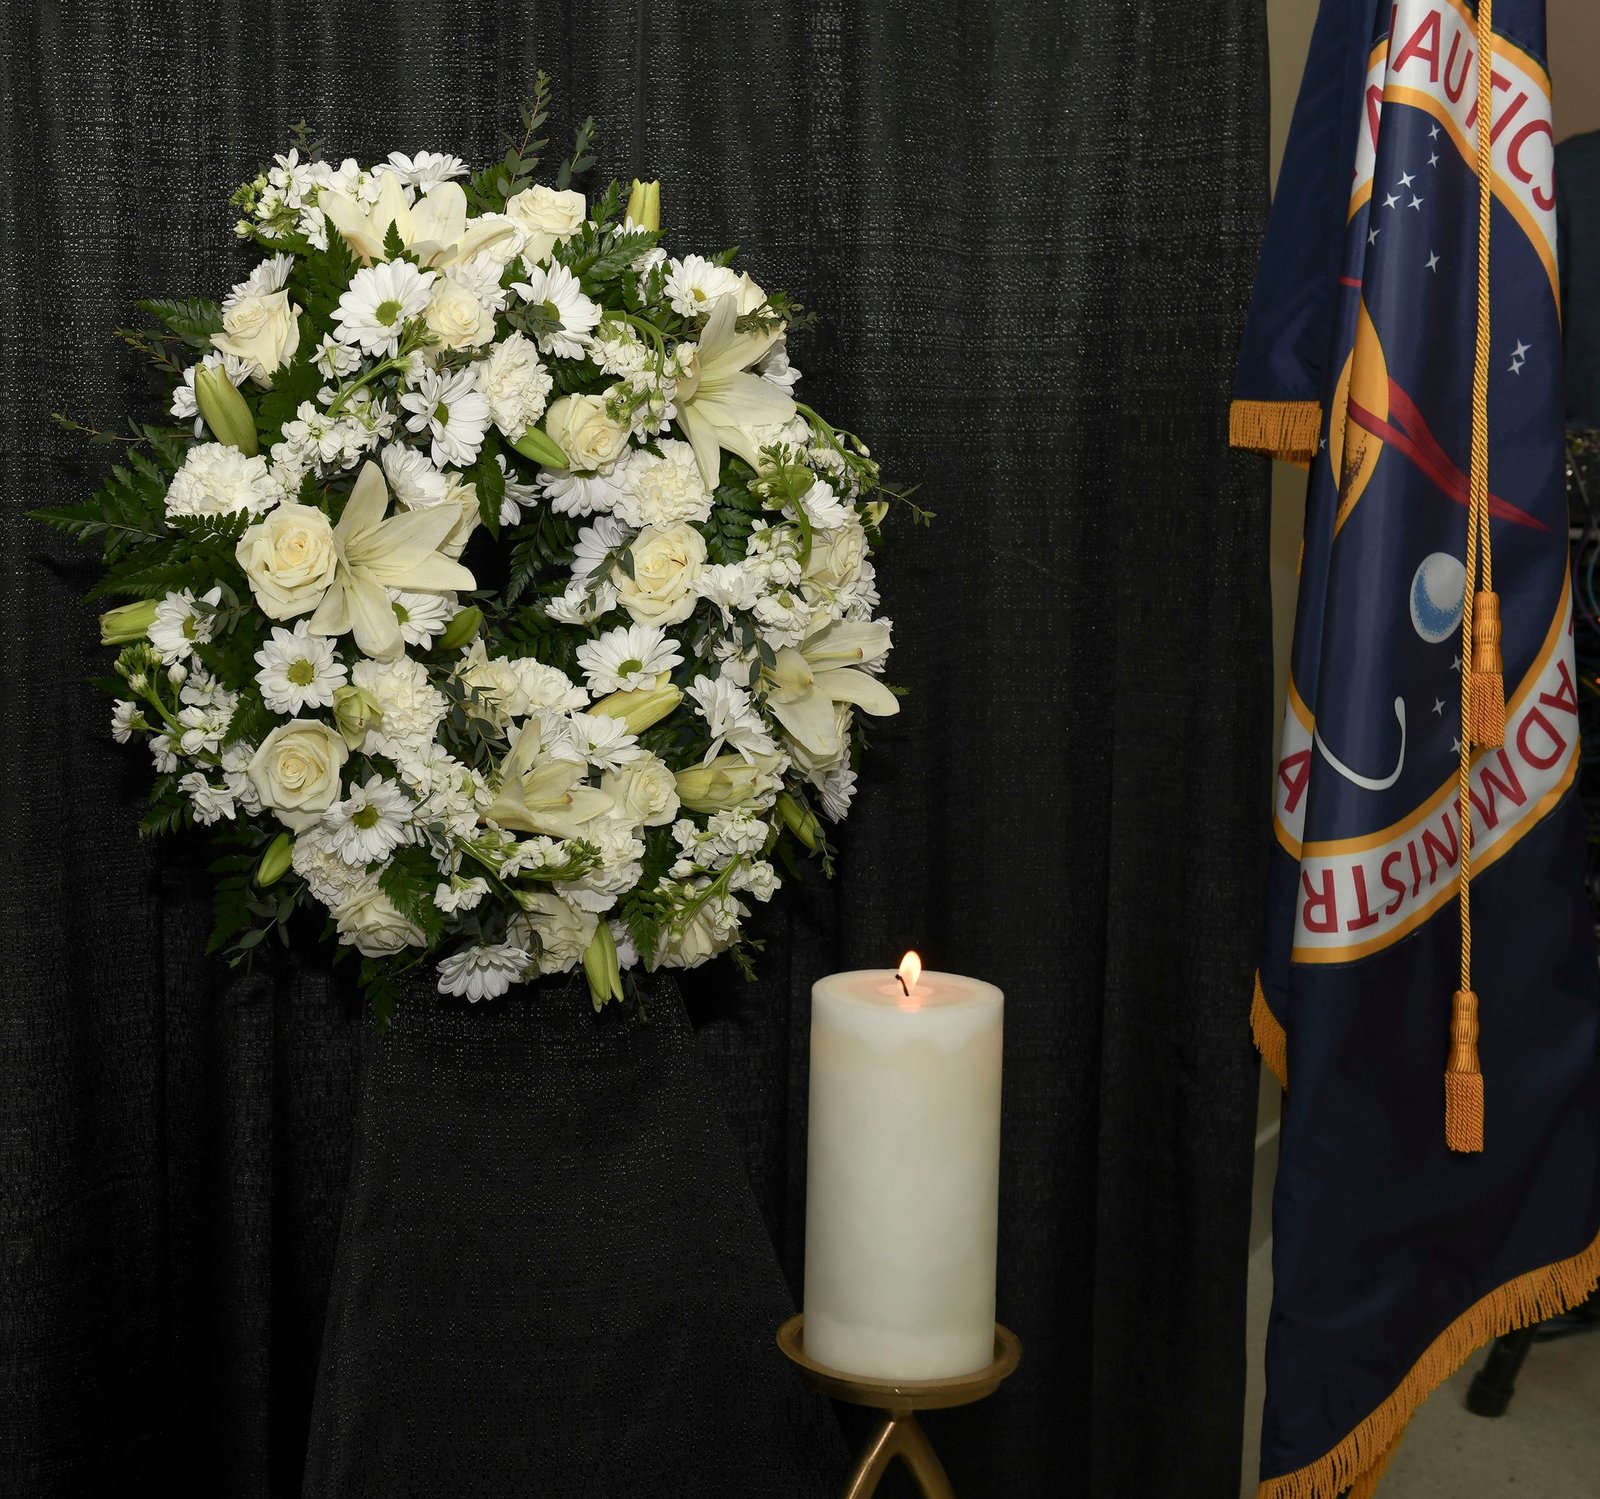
(1463, 1077)
(1488, 726)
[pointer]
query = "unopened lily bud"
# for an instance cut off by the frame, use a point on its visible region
(355, 711)
(127, 622)
(536, 444)
(800, 821)
(462, 630)
(275, 862)
(641, 707)
(600, 967)
(728, 782)
(644, 204)
(224, 410)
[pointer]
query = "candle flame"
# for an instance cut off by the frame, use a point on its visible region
(910, 972)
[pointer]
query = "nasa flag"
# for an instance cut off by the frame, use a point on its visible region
(1428, 990)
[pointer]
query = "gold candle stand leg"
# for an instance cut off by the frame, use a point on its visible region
(898, 1434)
(902, 1437)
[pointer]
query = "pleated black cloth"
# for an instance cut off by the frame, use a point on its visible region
(552, 1277)
(1031, 231)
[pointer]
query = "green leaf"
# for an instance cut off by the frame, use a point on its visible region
(194, 320)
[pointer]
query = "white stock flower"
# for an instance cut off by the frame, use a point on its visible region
(334, 360)
(209, 802)
(657, 491)
(556, 290)
(731, 718)
(179, 625)
(375, 307)
(370, 823)
(217, 479)
(694, 283)
(483, 972)
(459, 894)
(628, 657)
(125, 718)
(298, 670)
(452, 410)
(515, 384)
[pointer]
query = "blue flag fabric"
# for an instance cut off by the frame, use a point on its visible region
(1394, 1258)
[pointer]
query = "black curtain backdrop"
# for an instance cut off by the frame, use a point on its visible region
(1031, 229)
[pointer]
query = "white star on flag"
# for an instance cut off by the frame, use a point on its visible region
(1433, 260)
(1372, 236)
(1438, 706)
(1406, 179)
(1390, 201)
(1415, 202)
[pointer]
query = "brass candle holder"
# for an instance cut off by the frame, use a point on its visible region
(898, 1434)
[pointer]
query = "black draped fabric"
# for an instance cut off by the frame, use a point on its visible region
(1031, 229)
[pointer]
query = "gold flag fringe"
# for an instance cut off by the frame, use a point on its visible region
(1547, 1292)
(1281, 429)
(1269, 1036)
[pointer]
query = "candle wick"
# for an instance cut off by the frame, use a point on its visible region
(904, 985)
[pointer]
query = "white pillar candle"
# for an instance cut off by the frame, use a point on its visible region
(903, 1174)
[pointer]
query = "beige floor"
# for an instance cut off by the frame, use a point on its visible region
(1547, 1446)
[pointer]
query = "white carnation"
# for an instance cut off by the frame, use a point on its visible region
(217, 479)
(656, 491)
(412, 709)
(515, 383)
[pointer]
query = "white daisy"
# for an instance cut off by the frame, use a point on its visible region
(517, 494)
(626, 658)
(270, 276)
(217, 479)
(592, 551)
(181, 624)
(694, 283)
(374, 309)
(580, 494)
(823, 507)
(731, 718)
(369, 823)
(422, 615)
(556, 290)
(483, 972)
(426, 168)
(836, 791)
(452, 409)
(413, 478)
(459, 894)
(603, 741)
(299, 670)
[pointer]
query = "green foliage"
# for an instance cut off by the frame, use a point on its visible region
(735, 512)
(129, 511)
(540, 545)
(409, 881)
(194, 320)
(582, 158)
(168, 810)
(490, 482)
(489, 189)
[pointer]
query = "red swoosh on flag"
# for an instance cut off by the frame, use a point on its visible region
(1413, 439)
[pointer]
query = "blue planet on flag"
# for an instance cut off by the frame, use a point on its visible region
(1436, 594)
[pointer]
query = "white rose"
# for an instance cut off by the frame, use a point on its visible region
(563, 932)
(369, 921)
(837, 555)
(711, 930)
(544, 216)
(580, 427)
(645, 791)
(666, 565)
(296, 771)
(289, 558)
(263, 330)
(457, 318)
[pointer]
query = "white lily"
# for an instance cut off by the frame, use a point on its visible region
(718, 401)
(375, 555)
(806, 682)
(545, 792)
(434, 228)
